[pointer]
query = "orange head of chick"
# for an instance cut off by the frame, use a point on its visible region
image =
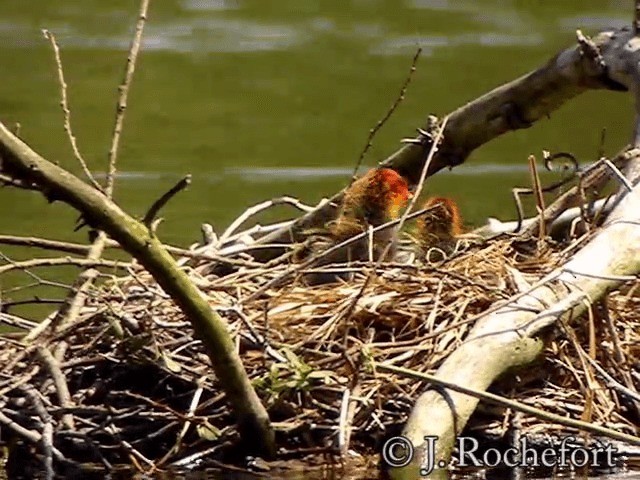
(441, 224)
(373, 199)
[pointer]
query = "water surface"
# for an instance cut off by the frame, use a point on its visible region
(263, 98)
(260, 98)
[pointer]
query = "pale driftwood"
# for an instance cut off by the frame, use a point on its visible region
(506, 338)
(495, 227)
(515, 105)
(20, 161)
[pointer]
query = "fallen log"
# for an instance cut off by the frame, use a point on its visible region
(513, 106)
(508, 336)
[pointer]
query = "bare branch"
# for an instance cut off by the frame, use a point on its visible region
(164, 199)
(124, 93)
(254, 210)
(53, 262)
(60, 382)
(65, 109)
(67, 247)
(387, 116)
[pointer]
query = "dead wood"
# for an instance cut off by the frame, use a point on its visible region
(505, 337)
(512, 106)
(18, 160)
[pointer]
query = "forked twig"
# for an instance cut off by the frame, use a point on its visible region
(255, 209)
(75, 301)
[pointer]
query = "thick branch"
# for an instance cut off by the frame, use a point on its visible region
(100, 212)
(515, 105)
(505, 338)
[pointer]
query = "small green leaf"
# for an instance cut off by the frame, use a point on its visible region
(170, 363)
(206, 431)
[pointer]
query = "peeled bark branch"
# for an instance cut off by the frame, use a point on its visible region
(506, 337)
(20, 161)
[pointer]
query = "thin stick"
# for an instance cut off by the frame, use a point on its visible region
(383, 120)
(60, 382)
(251, 211)
(124, 93)
(613, 382)
(187, 423)
(342, 423)
(80, 249)
(537, 191)
(423, 173)
(164, 199)
(14, 321)
(75, 248)
(64, 103)
(514, 405)
(46, 438)
(53, 262)
(618, 174)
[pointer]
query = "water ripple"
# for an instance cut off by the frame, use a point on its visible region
(202, 34)
(406, 44)
(209, 5)
(593, 21)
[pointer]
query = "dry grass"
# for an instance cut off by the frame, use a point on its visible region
(142, 391)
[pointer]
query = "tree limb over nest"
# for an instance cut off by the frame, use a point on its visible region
(513, 106)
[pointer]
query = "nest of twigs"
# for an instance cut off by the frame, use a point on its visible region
(142, 391)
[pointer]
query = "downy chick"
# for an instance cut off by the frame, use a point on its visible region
(438, 229)
(372, 200)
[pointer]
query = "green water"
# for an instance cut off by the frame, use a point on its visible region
(260, 98)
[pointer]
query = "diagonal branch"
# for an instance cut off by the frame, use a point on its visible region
(102, 213)
(512, 106)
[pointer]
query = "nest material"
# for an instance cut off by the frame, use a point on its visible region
(143, 392)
